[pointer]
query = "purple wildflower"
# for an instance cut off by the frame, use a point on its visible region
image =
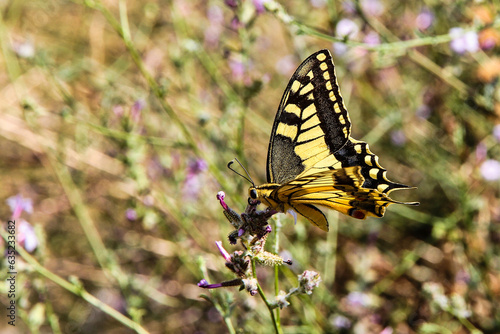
(398, 137)
(372, 38)
(231, 3)
(237, 69)
(490, 170)
(136, 109)
(26, 236)
(463, 41)
(18, 204)
(358, 299)
(236, 23)
(220, 197)
(424, 20)
(192, 184)
(340, 48)
(462, 276)
(197, 166)
(260, 6)
(339, 321)
(318, 3)
(349, 7)
(131, 214)
(372, 7)
(204, 284)
(424, 111)
(387, 330)
(481, 151)
(496, 132)
(213, 31)
(347, 28)
(215, 14)
(223, 252)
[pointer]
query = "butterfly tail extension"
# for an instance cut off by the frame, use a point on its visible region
(358, 153)
(338, 189)
(313, 214)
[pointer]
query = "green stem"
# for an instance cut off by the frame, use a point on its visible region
(277, 326)
(77, 289)
(277, 231)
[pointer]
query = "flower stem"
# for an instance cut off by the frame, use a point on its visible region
(277, 325)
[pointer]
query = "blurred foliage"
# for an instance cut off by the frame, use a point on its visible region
(118, 119)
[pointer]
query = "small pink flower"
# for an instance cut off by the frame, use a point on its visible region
(349, 7)
(424, 20)
(236, 23)
(18, 204)
(481, 151)
(260, 6)
(347, 28)
(237, 69)
(318, 3)
(372, 38)
(118, 110)
(223, 251)
(372, 7)
(213, 31)
(387, 330)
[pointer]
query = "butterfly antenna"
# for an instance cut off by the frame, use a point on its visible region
(248, 178)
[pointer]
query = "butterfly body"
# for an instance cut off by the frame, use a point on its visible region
(312, 159)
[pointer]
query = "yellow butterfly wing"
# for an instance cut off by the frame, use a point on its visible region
(312, 159)
(338, 189)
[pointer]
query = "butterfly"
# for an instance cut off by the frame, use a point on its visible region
(312, 159)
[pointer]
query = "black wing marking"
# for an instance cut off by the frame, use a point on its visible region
(311, 123)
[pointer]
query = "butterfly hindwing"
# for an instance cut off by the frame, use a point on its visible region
(312, 121)
(339, 189)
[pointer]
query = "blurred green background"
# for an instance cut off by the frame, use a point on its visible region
(118, 119)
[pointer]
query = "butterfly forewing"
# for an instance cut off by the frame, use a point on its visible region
(312, 122)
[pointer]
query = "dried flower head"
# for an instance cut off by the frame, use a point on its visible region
(309, 280)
